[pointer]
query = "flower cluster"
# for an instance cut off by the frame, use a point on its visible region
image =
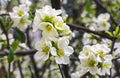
(101, 22)
(20, 15)
(95, 59)
(55, 35)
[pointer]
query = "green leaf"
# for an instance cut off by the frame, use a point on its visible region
(118, 36)
(117, 29)
(19, 35)
(114, 33)
(10, 55)
(109, 33)
(15, 44)
(31, 16)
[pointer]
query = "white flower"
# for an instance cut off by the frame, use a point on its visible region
(26, 2)
(20, 10)
(20, 17)
(62, 51)
(101, 50)
(46, 14)
(50, 11)
(88, 39)
(59, 23)
(43, 48)
(102, 22)
(103, 17)
(103, 25)
(93, 26)
(48, 31)
(105, 68)
(90, 64)
(106, 42)
(95, 59)
(86, 51)
(20, 22)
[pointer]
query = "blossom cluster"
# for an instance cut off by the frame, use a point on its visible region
(20, 15)
(99, 23)
(95, 59)
(55, 35)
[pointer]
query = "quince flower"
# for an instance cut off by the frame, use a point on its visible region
(105, 68)
(48, 31)
(46, 14)
(43, 48)
(62, 51)
(89, 64)
(20, 17)
(103, 17)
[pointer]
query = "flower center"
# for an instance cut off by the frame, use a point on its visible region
(49, 28)
(22, 20)
(107, 65)
(20, 12)
(103, 24)
(91, 63)
(101, 53)
(45, 49)
(60, 52)
(47, 19)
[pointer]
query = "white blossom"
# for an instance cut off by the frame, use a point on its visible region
(20, 17)
(88, 39)
(43, 48)
(62, 51)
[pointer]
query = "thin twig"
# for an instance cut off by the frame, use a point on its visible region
(20, 69)
(32, 57)
(6, 34)
(61, 71)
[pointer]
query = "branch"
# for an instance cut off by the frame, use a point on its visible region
(6, 34)
(20, 53)
(78, 27)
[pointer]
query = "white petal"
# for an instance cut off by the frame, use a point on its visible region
(58, 60)
(68, 50)
(65, 60)
(41, 56)
(93, 70)
(63, 42)
(53, 51)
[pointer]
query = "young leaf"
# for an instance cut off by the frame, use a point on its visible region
(19, 35)
(10, 55)
(117, 30)
(109, 33)
(15, 44)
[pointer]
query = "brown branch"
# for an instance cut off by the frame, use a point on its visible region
(78, 27)
(6, 33)
(20, 53)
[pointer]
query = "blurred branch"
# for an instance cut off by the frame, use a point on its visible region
(20, 69)
(20, 53)
(61, 71)
(5, 32)
(56, 4)
(78, 27)
(4, 14)
(102, 7)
